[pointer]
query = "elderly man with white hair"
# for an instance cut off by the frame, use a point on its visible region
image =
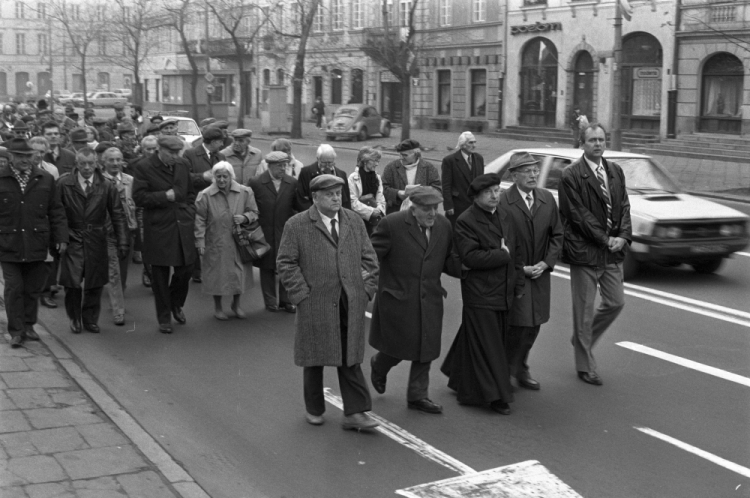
(326, 164)
(457, 172)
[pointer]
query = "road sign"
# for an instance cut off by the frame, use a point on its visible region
(209, 77)
(210, 88)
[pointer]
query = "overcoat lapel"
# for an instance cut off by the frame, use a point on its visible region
(318, 221)
(515, 200)
(463, 166)
(415, 231)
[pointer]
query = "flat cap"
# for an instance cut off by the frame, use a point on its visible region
(277, 157)
(79, 135)
(69, 106)
(100, 121)
(74, 116)
(408, 144)
(222, 124)
(521, 159)
(207, 121)
(20, 125)
(152, 128)
(324, 182)
(119, 106)
(156, 118)
(167, 122)
(425, 196)
(89, 112)
(102, 146)
(125, 127)
(241, 133)
(482, 182)
(170, 142)
(19, 146)
(212, 133)
(27, 118)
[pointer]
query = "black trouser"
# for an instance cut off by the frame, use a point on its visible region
(517, 347)
(197, 267)
(352, 384)
(419, 375)
(268, 288)
(125, 262)
(83, 304)
(53, 268)
(24, 284)
(169, 294)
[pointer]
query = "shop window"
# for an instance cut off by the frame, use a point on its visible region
(722, 86)
(358, 87)
(478, 92)
(444, 92)
(102, 81)
(539, 83)
(336, 86)
(3, 83)
(266, 77)
(223, 91)
(279, 76)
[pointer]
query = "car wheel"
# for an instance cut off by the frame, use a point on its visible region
(386, 131)
(708, 266)
(362, 135)
(630, 267)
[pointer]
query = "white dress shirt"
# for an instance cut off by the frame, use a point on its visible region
(327, 222)
(594, 167)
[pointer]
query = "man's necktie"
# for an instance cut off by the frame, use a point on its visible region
(530, 203)
(424, 233)
(605, 193)
(87, 191)
(334, 233)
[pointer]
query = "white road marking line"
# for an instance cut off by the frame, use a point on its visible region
(739, 469)
(722, 374)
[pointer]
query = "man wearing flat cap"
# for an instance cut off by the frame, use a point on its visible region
(325, 165)
(163, 188)
(406, 173)
(213, 123)
(457, 172)
(243, 158)
(78, 139)
(476, 365)
(119, 118)
(104, 131)
(168, 127)
(414, 248)
(20, 130)
(536, 222)
(275, 194)
(34, 224)
(329, 269)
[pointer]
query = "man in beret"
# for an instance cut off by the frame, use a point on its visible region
(275, 194)
(119, 118)
(30, 202)
(414, 248)
(457, 171)
(78, 139)
(213, 123)
(243, 158)
(476, 365)
(63, 159)
(163, 188)
(404, 174)
(326, 164)
(329, 269)
(104, 131)
(536, 222)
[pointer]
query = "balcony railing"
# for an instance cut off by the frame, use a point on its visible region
(723, 13)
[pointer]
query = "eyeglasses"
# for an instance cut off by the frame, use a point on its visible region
(531, 171)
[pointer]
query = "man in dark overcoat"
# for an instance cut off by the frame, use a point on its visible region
(414, 248)
(275, 194)
(330, 271)
(63, 159)
(163, 188)
(406, 173)
(457, 172)
(32, 223)
(88, 198)
(536, 222)
(325, 165)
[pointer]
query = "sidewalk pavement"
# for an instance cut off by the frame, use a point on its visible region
(63, 436)
(718, 179)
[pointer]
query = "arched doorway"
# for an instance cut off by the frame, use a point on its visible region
(583, 84)
(721, 94)
(641, 82)
(538, 83)
(43, 83)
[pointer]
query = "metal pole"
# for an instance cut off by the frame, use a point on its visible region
(209, 110)
(616, 143)
(49, 54)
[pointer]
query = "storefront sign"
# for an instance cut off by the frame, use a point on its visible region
(539, 27)
(648, 73)
(388, 77)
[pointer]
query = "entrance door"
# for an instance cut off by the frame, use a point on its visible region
(641, 83)
(390, 103)
(539, 83)
(583, 85)
(721, 96)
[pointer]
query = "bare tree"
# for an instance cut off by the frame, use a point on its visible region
(397, 52)
(230, 14)
(179, 16)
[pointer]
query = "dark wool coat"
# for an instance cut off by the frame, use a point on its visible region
(314, 270)
(168, 236)
(407, 317)
(541, 238)
(394, 179)
(199, 162)
(456, 178)
(65, 162)
(31, 222)
(275, 209)
(87, 257)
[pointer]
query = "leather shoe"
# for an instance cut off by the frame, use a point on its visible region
(525, 381)
(16, 341)
(91, 327)
(314, 419)
(425, 405)
(290, 308)
(178, 315)
(378, 381)
(137, 258)
(48, 302)
(239, 312)
(500, 407)
(165, 328)
(145, 280)
(358, 422)
(273, 308)
(590, 378)
(75, 326)
(220, 315)
(120, 320)
(30, 333)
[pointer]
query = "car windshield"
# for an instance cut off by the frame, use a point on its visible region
(347, 111)
(90, 94)
(185, 127)
(642, 175)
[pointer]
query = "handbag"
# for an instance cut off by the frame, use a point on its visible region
(250, 241)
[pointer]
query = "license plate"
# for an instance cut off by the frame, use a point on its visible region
(708, 248)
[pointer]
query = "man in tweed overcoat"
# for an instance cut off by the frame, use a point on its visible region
(329, 268)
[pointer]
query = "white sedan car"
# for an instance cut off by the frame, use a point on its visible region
(670, 227)
(105, 99)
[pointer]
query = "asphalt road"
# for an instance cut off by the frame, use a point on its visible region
(225, 399)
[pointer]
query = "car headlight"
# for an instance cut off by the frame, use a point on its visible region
(727, 230)
(663, 232)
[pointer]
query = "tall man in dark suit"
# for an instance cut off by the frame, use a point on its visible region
(276, 196)
(63, 159)
(163, 188)
(457, 172)
(595, 212)
(325, 165)
(406, 173)
(536, 221)
(414, 248)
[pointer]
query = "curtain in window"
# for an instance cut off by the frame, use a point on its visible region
(722, 96)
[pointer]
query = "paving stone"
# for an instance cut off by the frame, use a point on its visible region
(57, 440)
(45, 418)
(41, 363)
(50, 490)
(30, 398)
(100, 483)
(67, 397)
(14, 353)
(3, 456)
(3, 385)
(18, 444)
(11, 492)
(11, 364)
(102, 494)
(6, 403)
(35, 469)
(35, 379)
(82, 464)
(98, 435)
(145, 484)
(13, 421)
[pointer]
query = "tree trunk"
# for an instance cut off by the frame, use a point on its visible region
(137, 90)
(299, 79)
(83, 78)
(194, 92)
(241, 86)
(405, 108)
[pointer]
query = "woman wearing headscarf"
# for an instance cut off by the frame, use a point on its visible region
(219, 207)
(366, 188)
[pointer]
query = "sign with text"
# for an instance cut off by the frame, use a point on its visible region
(538, 27)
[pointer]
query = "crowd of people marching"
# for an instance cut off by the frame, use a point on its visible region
(81, 199)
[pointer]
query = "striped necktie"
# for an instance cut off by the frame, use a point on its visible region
(530, 203)
(605, 193)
